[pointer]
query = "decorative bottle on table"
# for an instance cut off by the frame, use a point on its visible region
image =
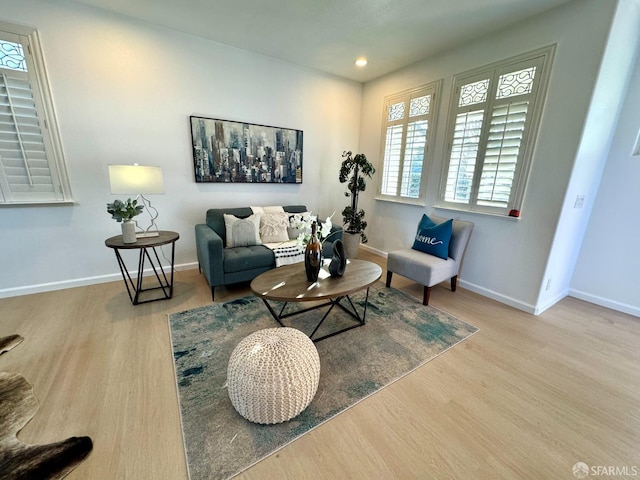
(313, 255)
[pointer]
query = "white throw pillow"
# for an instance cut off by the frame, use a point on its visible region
(273, 227)
(242, 232)
(271, 209)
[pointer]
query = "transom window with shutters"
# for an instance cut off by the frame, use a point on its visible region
(493, 122)
(407, 131)
(32, 168)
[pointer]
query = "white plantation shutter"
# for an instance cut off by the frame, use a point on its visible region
(415, 144)
(501, 156)
(406, 137)
(391, 166)
(30, 160)
(464, 151)
(496, 112)
(25, 169)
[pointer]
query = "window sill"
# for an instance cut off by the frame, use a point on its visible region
(475, 212)
(415, 202)
(64, 203)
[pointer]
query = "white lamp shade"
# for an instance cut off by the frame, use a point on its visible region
(135, 179)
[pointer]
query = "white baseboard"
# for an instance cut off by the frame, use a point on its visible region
(605, 302)
(80, 282)
(551, 302)
(526, 307)
(512, 302)
(534, 309)
(375, 251)
(498, 297)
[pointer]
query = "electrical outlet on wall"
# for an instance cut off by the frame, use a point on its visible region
(579, 201)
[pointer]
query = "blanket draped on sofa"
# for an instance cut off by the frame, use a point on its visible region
(286, 253)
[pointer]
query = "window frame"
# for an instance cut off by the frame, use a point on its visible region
(543, 59)
(41, 91)
(434, 89)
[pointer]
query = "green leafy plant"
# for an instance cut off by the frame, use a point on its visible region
(124, 211)
(353, 170)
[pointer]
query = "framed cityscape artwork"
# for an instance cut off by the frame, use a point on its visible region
(236, 152)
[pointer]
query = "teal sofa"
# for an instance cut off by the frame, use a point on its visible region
(226, 266)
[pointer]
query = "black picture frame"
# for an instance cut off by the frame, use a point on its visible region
(225, 151)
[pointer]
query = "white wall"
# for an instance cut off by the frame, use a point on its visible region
(607, 271)
(123, 92)
(616, 68)
(506, 259)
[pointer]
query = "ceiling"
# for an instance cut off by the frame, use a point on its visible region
(329, 35)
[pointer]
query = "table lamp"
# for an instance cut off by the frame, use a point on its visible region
(140, 180)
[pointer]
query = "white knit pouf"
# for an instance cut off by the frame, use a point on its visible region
(273, 375)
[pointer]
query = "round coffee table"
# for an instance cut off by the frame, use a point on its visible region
(289, 284)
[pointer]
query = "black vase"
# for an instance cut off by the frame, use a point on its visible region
(338, 260)
(313, 256)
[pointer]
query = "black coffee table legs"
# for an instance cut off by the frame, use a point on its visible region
(350, 309)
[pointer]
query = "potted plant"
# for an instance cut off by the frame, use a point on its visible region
(123, 212)
(353, 170)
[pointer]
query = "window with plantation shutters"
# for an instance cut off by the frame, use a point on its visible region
(406, 137)
(493, 121)
(32, 168)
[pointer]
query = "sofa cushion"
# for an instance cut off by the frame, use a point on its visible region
(434, 240)
(273, 227)
(242, 232)
(295, 208)
(239, 259)
(215, 219)
(268, 209)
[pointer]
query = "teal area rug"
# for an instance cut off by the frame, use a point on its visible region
(400, 335)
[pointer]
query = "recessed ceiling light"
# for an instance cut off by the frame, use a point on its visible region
(361, 62)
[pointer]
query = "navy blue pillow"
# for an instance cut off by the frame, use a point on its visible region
(435, 239)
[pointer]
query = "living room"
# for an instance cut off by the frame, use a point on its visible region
(124, 90)
(104, 114)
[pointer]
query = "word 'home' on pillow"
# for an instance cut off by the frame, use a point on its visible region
(433, 238)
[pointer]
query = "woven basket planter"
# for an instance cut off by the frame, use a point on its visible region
(273, 375)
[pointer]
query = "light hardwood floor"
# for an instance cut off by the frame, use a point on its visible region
(526, 397)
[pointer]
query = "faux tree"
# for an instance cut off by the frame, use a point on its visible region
(353, 170)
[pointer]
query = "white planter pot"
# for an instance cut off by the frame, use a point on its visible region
(351, 243)
(129, 231)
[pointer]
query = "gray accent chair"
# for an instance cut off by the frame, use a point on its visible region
(429, 270)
